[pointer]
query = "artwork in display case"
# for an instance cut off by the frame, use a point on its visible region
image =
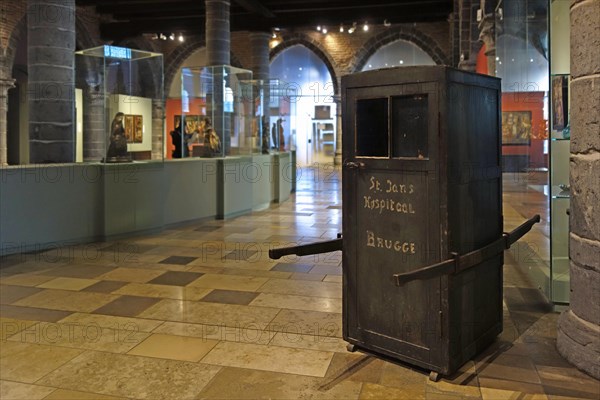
(138, 135)
(560, 102)
(129, 128)
(516, 127)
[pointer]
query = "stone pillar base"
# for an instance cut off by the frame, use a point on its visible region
(578, 341)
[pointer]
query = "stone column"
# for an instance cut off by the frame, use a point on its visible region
(578, 337)
(487, 34)
(5, 85)
(218, 49)
(261, 71)
(95, 132)
(218, 34)
(158, 128)
(50, 47)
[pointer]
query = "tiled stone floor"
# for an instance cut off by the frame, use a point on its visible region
(201, 311)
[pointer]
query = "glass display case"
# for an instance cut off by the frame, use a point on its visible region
(218, 113)
(560, 189)
(559, 151)
(119, 102)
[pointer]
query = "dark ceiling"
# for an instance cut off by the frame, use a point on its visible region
(135, 17)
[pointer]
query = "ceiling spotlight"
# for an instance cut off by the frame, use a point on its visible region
(319, 28)
(172, 36)
(365, 27)
(162, 37)
(386, 23)
(181, 39)
(274, 35)
(155, 36)
(342, 28)
(324, 30)
(353, 28)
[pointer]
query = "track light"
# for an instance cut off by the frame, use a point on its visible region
(172, 36)
(365, 27)
(319, 28)
(386, 23)
(181, 39)
(324, 30)
(352, 28)
(342, 28)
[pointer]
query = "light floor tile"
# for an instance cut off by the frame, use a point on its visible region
(303, 288)
(217, 332)
(66, 300)
(61, 394)
(10, 327)
(498, 394)
(229, 282)
(23, 391)
(308, 323)
(112, 322)
(309, 342)
(137, 275)
(307, 303)
(163, 291)
(246, 384)
(371, 391)
(68, 283)
(25, 279)
(270, 358)
(211, 313)
(24, 362)
(79, 336)
(183, 348)
(132, 376)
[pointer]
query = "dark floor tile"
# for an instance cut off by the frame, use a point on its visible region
(10, 294)
(230, 297)
(334, 207)
(238, 229)
(176, 278)
(297, 214)
(240, 255)
(178, 260)
(127, 306)
(105, 287)
(32, 314)
(9, 261)
(79, 271)
(283, 267)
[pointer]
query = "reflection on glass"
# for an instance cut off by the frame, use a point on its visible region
(409, 126)
(372, 128)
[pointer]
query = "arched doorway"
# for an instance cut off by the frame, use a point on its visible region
(397, 54)
(303, 98)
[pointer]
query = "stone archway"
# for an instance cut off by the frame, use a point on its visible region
(314, 46)
(409, 34)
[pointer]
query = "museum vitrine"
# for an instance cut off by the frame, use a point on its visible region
(119, 101)
(217, 113)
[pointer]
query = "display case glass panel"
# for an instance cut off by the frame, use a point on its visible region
(217, 113)
(119, 104)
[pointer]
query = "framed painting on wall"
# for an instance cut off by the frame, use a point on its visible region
(560, 102)
(516, 127)
(129, 128)
(138, 133)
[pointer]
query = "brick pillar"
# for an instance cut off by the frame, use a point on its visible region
(5, 85)
(218, 34)
(50, 47)
(158, 114)
(578, 337)
(95, 133)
